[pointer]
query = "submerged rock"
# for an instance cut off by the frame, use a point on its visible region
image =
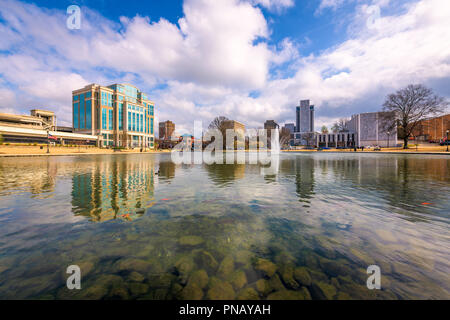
(263, 287)
(199, 278)
(131, 264)
(302, 276)
(135, 277)
(221, 290)
(243, 257)
(323, 291)
(138, 289)
(248, 294)
(286, 295)
(226, 267)
(238, 279)
(118, 293)
(191, 292)
(206, 261)
(306, 293)
(265, 266)
(287, 275)
(190, 240)
(184, 265)
(275, 284)
(334, 268)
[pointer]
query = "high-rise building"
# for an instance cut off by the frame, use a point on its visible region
(271, 124)
(234, 125)
(120, 114)
(304, 117)
(166, 130)
(290, 127)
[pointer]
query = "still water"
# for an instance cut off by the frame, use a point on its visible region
(141, 227)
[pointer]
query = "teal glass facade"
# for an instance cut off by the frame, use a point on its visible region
(121, 110)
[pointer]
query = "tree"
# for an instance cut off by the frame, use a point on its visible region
(218, 123)
(408, 107)
(285, 136)
(340, 126)
(324, 129)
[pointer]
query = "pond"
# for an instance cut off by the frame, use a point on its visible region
(142, 227)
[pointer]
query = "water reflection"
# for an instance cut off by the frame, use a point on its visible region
(166, 231)
(114, 189)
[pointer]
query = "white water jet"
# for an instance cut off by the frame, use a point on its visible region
(275, 141)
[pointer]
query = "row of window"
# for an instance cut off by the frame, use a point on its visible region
(82, 112)
(136, 121)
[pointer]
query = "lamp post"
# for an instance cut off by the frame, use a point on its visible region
(48, 141)
(446, 142)
(388, 133)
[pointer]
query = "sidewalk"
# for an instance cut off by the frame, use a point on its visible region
(36, 151)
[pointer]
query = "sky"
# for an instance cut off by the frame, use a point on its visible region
(248, 60)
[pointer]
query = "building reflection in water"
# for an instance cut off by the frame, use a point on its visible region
(304, 178)
(122, 188)
(224, 174)
(166, 171)
(35, 175)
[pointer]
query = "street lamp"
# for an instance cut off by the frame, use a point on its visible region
(446, 142)
(48, 141)
(388, 133)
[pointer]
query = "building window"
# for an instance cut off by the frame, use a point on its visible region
(111, 117)
(151, 125)
(89, 114)
(134, 121)
(120, 116)
(88, 95)
(141, 123)
(129, 121)
(103, 119)
(82, 112)
(75, 98)
(75, 115)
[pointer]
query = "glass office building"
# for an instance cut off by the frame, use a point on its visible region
(120, 114)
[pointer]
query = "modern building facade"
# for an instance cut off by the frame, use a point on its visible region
(371, 131)
(304, 117)
(433, 129)
(119, 114)
(39, 119)
(37, 127)
(234, 125)
(364, 130)
(271, 124)
(166, 130)
(290, 127)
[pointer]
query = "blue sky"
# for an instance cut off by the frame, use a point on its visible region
(250, 60)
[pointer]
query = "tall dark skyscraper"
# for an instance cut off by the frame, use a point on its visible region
(304, 117)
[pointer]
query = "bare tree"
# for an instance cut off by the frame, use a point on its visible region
(218, 123)
(285, 136)
(340, 126)
(408, 107)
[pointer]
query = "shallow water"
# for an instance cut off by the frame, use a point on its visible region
(308, 230)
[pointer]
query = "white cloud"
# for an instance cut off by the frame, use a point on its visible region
(216, 60)
(274, 5)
